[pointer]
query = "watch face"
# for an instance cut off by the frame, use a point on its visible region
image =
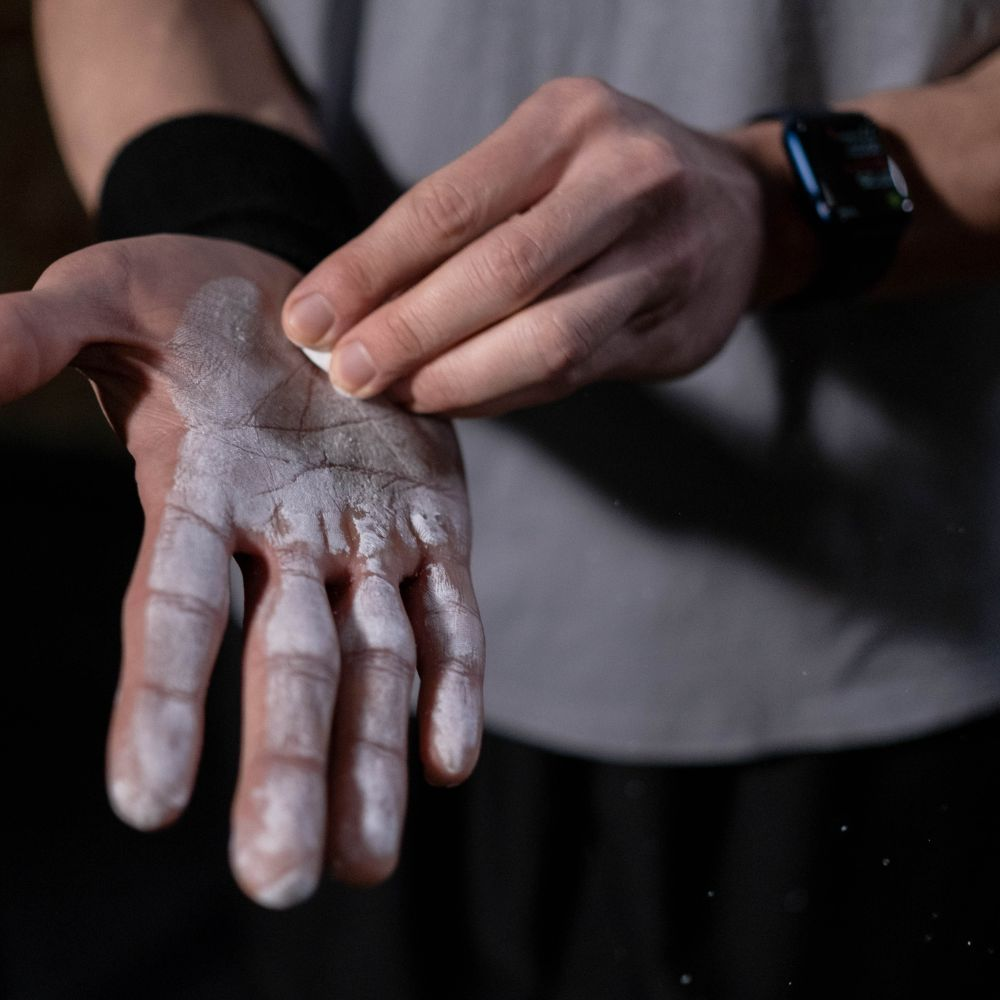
(844, 169)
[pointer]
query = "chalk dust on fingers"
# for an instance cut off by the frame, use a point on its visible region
(275, 459)
(452, 655)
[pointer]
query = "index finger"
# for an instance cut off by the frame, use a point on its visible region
(506, 173)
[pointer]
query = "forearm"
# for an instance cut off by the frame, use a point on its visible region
(112, 68)
(946, 138)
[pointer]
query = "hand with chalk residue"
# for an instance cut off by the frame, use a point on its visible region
(352, 522)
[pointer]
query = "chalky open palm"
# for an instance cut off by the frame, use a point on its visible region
(354, 523)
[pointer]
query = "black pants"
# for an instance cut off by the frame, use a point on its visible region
(870, 874)
(864, 874)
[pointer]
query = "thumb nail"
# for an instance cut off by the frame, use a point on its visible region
(309, 319)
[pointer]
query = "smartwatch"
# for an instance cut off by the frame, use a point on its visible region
(853, 193)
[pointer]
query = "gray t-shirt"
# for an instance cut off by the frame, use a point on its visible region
(797, 547)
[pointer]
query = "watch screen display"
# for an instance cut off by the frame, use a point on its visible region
(844, 168)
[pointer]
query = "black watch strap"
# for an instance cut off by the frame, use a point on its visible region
(853, 259)
(214, 175)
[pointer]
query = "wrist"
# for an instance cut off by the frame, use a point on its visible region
(791, 255)
(229, 178)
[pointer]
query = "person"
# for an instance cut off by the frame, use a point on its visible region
(236, 475)
(786, 551)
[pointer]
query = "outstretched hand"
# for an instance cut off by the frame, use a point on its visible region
(352, 522)
(589, 237)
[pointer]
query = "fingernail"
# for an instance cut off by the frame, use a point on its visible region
(352, 367)
(310, 318)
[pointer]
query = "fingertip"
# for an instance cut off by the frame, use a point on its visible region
(279, 891)
(437, 777)
(363, 869)
(366, 832)
(139, 807)
(353, 370)
(340, 390)
(308, 319)
(288, 890)
(150, 770)
(451, 748)
(276, 849)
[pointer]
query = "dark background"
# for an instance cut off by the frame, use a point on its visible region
(85, 903)
(40, 220)
(89, 908)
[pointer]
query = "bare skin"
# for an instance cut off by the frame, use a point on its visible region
(592, 236)
(353, 525)
(589, 237)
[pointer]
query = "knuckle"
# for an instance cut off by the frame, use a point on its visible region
(689, 269)
(294, 558)
(679, 271)
(392, 663)
(656, 178)
(467, 667)
(170, 691)
(597, 97)
(378, 736)
(290, 756)
(444, 210)
(116, 267)
(187, 605)
(462, 644)
(564, 343)
(514, 263)
(653, 159)
(350, 272)
(562, 90)
(580, 104)
(318, 671)
(115, 262)
(652, 282)
(597, 103)
(587, 93)
(391, 746)
(405, 334)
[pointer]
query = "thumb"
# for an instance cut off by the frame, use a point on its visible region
(40, 333)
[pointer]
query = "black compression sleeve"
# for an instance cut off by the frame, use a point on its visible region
(213, 175)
